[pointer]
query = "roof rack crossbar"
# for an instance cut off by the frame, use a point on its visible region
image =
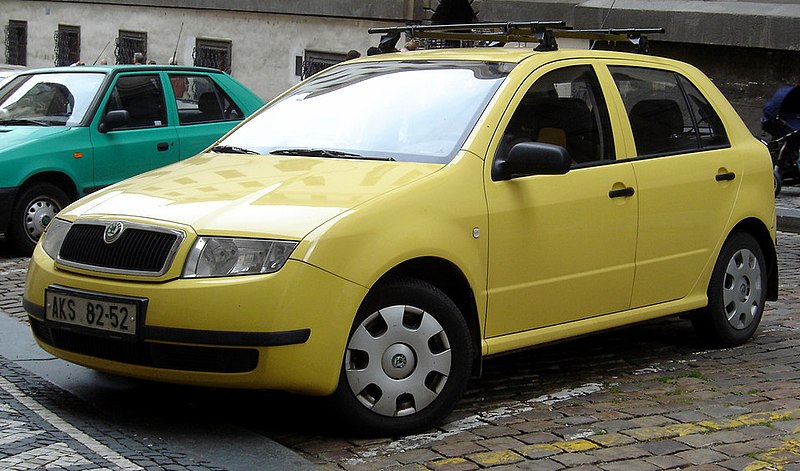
(543, 32)
(506, 27)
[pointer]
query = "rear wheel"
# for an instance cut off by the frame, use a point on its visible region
(35, 207)
(736, 293)
(407, 361)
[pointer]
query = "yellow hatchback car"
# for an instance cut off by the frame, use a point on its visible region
(377, 230)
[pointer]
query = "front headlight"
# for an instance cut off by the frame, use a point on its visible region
(54, 236)
(224, 256)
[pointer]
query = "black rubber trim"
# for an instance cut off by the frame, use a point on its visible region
(232, 339)
(206, 337)
(34, 310)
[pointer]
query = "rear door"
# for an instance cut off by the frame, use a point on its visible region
(687, 175)
(205, 111)
(146, 142)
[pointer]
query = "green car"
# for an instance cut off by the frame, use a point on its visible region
(68, 131)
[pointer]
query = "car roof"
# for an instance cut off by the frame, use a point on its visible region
(113, 69)
(513, 55)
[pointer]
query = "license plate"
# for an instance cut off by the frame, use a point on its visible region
(96, 312)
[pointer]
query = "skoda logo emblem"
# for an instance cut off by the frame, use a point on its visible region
(112, 232)
(399, 361)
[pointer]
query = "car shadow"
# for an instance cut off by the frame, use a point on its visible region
(518, 377)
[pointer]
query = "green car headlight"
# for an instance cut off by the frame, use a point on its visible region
(224, 256)
(54, 236)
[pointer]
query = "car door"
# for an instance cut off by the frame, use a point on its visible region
(688, 179)
(147, 140)
(205, 111)
(561, 247)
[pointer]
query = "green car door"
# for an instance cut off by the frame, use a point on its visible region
(205, 108)
(132, 132)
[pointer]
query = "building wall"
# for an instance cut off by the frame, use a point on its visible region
(264, 45)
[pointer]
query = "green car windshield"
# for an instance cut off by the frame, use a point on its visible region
(53, 99)
(406, 111)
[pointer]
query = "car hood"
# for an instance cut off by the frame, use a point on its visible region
(15, 136)
(250, 195)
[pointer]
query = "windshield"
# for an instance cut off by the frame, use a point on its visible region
(59, 99)
(408, 111)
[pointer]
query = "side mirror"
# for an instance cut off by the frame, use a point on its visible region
(531, 158)
(113, 120)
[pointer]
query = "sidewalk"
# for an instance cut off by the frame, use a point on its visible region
(56, 415)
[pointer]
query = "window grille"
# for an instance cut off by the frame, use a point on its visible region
(213, 53)
(68, 45)
(17, 42)
(315, 61)
(127, 44)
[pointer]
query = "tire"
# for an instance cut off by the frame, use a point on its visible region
(736, 293)
(34, 208)
(407, 361)
(778, 180)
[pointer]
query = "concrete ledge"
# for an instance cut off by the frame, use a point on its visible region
(762, 24)
(788, 220)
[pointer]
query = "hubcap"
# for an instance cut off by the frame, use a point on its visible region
(39, 214)
(398, 360)
(741, 290)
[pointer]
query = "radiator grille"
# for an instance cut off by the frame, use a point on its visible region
(137, 250)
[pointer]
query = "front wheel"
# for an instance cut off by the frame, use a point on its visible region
(407, 361)
(736, 293)
(35, 207)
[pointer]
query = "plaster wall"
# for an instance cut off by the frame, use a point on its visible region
(264, 45)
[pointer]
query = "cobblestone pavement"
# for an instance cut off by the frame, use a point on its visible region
(648, 397)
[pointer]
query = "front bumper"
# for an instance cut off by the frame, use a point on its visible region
(284, 331)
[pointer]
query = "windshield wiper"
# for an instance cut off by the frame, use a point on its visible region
(22, 122)
(232, 150)
(336, 154)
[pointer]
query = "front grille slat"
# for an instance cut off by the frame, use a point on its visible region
(139, 249)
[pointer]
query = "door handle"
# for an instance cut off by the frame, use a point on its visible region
(162, 146)
(622, 193)
(726, 177)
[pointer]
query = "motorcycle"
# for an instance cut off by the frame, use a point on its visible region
(781, 120)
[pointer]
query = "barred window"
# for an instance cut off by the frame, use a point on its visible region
(17, 42)
(129, 43)
(315, 61)
(213, 53)
(68, 45)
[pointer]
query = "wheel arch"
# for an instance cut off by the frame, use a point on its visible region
(759, 231)
(448, 278)
(58, 179)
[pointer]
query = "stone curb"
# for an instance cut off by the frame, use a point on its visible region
(788, 220)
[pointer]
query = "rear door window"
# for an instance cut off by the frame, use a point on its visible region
(200, 100)
(668, 115)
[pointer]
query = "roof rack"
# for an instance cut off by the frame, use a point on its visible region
(542, 32)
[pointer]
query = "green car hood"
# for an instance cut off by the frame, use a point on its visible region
(13, 137)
